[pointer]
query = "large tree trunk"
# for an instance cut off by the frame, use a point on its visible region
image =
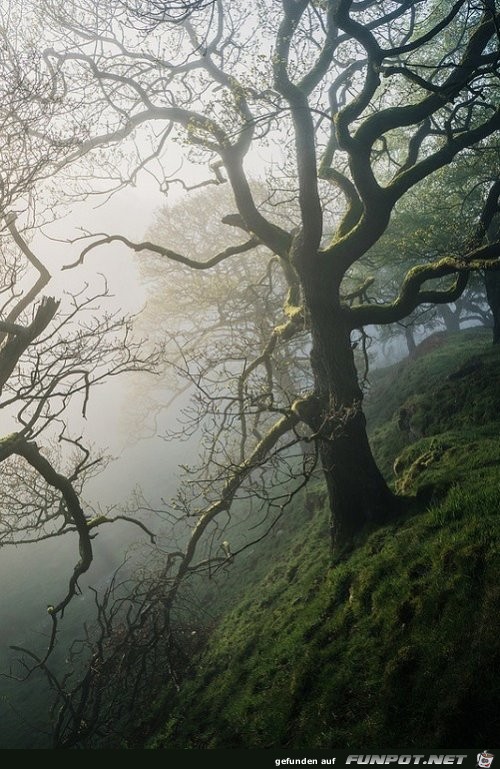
(357, 490)
(492, 283)
(492, 277)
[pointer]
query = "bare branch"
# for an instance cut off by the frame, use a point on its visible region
(167, 253)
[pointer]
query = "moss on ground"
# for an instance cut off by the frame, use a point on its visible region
(396, 642)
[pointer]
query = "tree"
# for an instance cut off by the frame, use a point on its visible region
(52, 355)
(349, 107)
(368, 98)
(491, 222)
(237, 303)
(429, 223)
(52, 351)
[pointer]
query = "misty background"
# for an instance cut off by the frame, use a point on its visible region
(35, 575)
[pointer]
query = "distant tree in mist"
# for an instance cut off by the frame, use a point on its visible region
(210, 352)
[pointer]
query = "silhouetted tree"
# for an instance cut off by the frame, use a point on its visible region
(52, 351)
(370, 98)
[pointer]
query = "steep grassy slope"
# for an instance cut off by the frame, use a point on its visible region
(396, 642)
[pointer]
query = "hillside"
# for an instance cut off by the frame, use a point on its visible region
(394, 642)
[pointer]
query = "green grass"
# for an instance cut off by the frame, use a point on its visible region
(392, 386)
(434, 404)
(396, 642)
(393, 646)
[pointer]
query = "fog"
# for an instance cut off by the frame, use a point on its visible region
(36, 575)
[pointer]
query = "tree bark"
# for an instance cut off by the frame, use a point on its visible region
(358, 493)
(492, 276)
(492, 283)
